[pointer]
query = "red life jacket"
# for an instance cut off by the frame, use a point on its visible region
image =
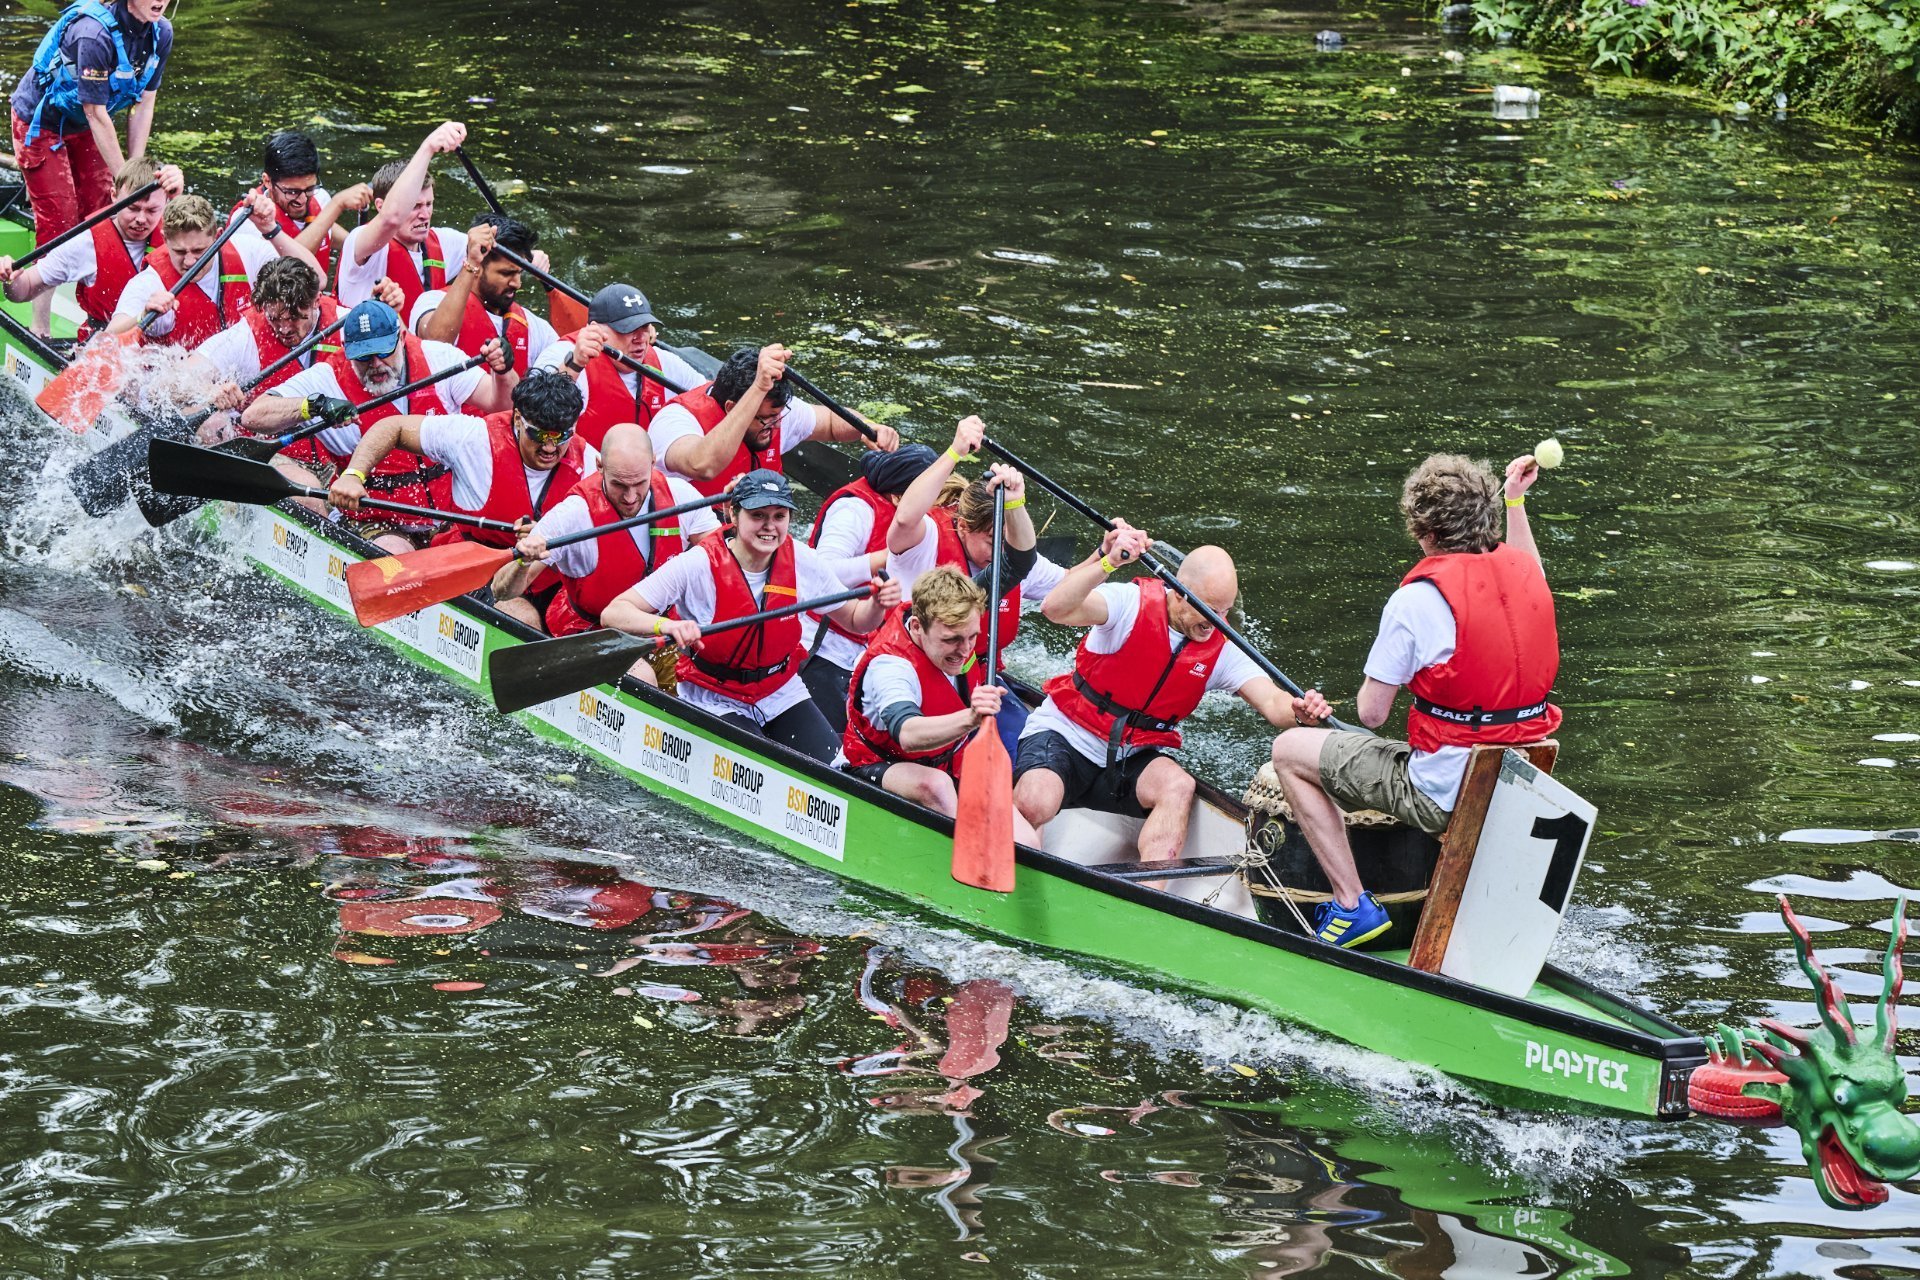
(289, 226)
(510, 497)
(196, 317)
(883, 509)
(1506, 653)
(950, 551)
(1140, 692)
(609, 403)
(113, 270)
(481, 326)
(620, 563)
(401, 476)
(400, 270)
(708, 413)
(271, 348)
(752, 662)
(868, 743)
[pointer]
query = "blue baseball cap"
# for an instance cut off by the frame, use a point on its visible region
(761, 488)
(372, 329)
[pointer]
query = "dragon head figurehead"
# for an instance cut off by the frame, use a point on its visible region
(1839, 1088)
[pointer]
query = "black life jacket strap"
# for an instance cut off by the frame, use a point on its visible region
(1479, 716)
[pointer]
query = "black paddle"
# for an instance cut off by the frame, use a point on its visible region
(84, 225)
(561, 286)
(1167, 576)
(213, 476)
(188, 276)
(527, 674)
(108, 478)
(480, 183)
(260, 448)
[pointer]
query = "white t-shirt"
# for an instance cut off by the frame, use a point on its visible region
(922, 557)
(320, 198)
(686, 583)
(1416, 630)
(318, 380)
(74, 262)
(254, 254)
(461, 443)
(582, 558)
(235, 353)
(843, 544)
(1232, 671)
(798, 422)
(539, 333)
(358, 278)
(554, 356)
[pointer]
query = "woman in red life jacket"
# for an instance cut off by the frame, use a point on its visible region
(223, 290)
(750, 676)
(619, 320)
(480, 302)
(919, 693)
(744, 419)
(852, 524)
(943, 519)
(1471, 632)
(102, 263)
(592, 574)
(1101, 738)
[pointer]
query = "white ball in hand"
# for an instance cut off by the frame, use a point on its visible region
(1549, 454)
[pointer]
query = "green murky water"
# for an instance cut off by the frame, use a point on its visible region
(1224, 286)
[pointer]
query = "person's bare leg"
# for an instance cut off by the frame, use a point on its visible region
(520, 609)
(1036, 799)
(1165, 791)
(1296, 758)
(927, 787)
(643, 672)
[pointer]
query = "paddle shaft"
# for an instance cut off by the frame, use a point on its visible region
(770, 615)
(561, 286)
(993, 578)
(83, 226)
(855, 420)
(1165, 575)
(312, 426)
(381, 504)
(32, 341)
(631, 522)
(307, 344)
(480, 183)
(188, 276)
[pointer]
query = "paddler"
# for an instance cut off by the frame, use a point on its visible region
(749, 677)
(481, 302)
(744, 420)
(102, 263)
(619, 318)
(853, 522)
(290, 177)
(919, 693)
(400, 242)
(375, 358)
(223, 290)
(594, 573)
(512, 466)
(1101, 738)
(945, 520)
(1471, 632)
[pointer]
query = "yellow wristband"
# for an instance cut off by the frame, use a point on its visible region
(1015, 504)
(356, 472)
(957, 457)
(659, 626)
(1108, 565)
(1520, 501)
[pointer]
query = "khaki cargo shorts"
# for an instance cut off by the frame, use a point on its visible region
(1361, 771)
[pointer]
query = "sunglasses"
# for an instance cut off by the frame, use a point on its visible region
(547, 437)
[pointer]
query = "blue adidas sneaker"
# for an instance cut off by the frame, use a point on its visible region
(1350, 926)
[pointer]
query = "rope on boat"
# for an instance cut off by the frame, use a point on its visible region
(1265, 799)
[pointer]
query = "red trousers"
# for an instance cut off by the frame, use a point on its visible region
(66, 178)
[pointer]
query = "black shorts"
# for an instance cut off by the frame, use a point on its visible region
(1088, 785)
(875, 773)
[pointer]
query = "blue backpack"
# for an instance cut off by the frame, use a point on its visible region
(59, 80)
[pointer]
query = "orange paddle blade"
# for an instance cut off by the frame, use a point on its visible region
(983, 824)
(564, 314)
(84, 388)
(394, 586)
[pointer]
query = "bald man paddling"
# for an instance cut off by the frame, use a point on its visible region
(1100, 739)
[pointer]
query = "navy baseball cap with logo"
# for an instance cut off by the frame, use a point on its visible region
(622, 308)
(761, 488)
(372, 329)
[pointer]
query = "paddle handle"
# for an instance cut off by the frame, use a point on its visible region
(307, 344)
(187, 276)
(85, 225)
(381, 504)
(631, 522)
(1167, 576)
(480, 183)
(561, 286)
(859, 423)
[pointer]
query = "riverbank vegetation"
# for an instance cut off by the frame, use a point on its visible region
(1855, 58)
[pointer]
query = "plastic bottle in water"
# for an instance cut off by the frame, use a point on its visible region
(1512, 95)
